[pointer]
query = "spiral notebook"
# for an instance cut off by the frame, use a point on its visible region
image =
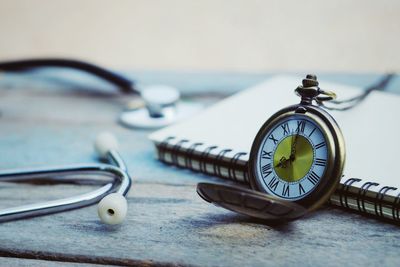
(218, 141)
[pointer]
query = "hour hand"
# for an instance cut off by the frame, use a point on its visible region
(283, 162)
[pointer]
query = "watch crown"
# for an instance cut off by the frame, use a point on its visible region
(308, 90)
(310, 80)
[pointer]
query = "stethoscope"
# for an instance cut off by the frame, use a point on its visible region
(112, 207)
(162, 107)
(161, 102)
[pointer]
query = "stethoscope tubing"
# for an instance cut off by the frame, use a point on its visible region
(121, 184)
(124, 84)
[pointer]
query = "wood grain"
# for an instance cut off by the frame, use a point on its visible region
(167, 223)
(18, 262)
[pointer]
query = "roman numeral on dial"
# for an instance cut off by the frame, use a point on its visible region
(266, 155)
(322, 144)
(320, 162)
(285, 128)
(273, 139)
(285, 190)
(300, 126)
(273, 183)
(313, 178)
(266, 169)
(313, 130)
(301, 190)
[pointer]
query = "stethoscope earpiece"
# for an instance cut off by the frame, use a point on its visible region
(105, 142)
(161, 108)
(112, 209)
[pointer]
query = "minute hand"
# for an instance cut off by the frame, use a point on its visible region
(293, 148)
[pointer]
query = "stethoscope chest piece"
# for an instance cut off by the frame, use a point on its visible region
(162, 107)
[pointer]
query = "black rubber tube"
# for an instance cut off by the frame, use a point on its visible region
(125, 85)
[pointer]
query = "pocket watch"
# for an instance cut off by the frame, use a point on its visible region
(295, 164)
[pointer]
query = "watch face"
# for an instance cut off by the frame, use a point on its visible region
(292, 158)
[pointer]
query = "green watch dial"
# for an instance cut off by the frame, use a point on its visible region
(293, 158)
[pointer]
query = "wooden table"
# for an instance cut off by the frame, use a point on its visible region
(48, 120)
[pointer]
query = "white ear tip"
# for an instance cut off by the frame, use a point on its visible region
(105, 142)
(112, 209)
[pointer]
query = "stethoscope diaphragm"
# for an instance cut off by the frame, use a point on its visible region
(161, 108)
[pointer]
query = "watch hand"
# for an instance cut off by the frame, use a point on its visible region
(292, 156)
(283, 162)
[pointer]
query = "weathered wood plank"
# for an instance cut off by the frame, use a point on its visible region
(167, 222)
(171, 224)
(20, 262)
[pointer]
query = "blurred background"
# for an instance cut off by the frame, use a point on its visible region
(212, 35)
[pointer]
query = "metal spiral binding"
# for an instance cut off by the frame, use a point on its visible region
(361, 198)
(220, 156)
(162, 148)
(361, 195)
(188, 158)
(165, 147)
(231, 171)
(175, 152)
(380, 197)
(204, 158)
(395, 210)
(346, 187)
